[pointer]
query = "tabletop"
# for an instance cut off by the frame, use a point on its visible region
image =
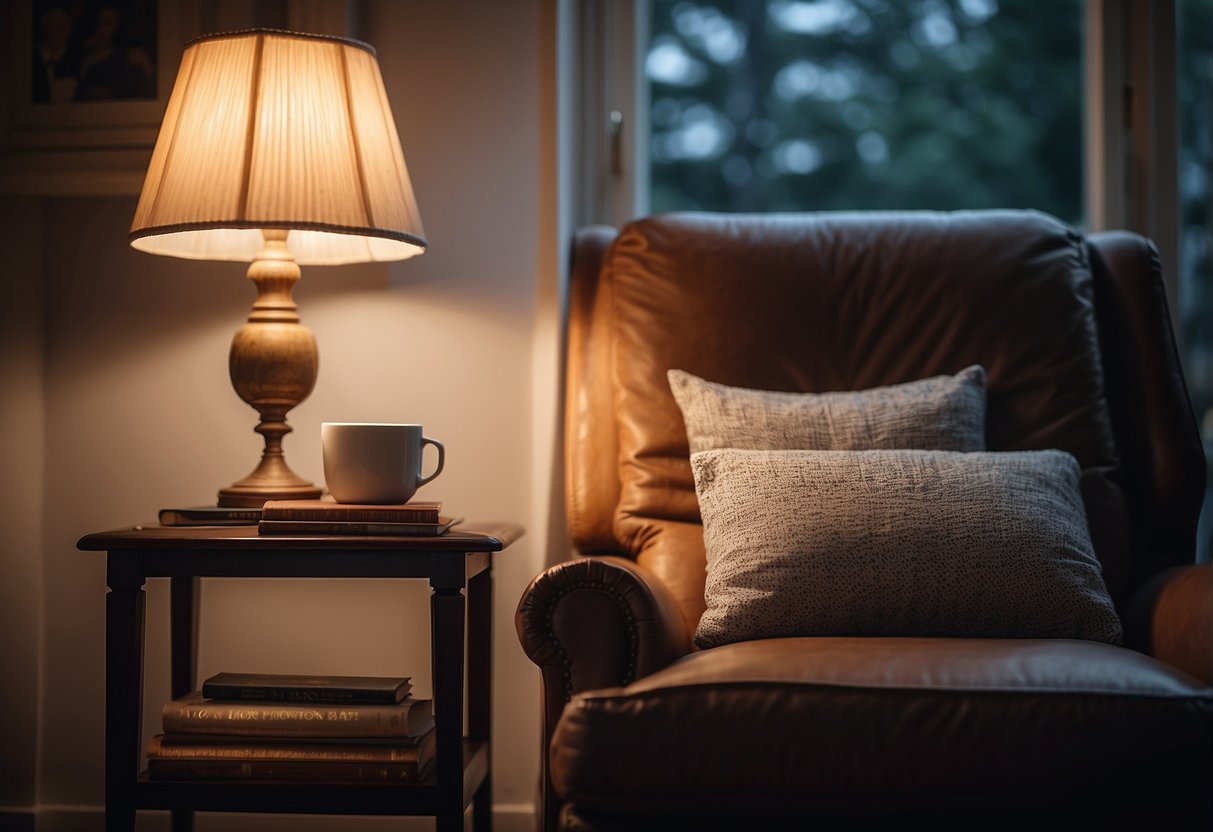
(469, 537)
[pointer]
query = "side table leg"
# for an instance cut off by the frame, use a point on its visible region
(183, 658)
(446, 612)
(124, 621)
(183, 643)
(480, 688)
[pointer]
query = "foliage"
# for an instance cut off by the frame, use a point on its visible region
(1195, 68)
(792, 105)
(874, 104)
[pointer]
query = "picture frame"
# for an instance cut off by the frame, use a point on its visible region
(102, 148)
(80, 147)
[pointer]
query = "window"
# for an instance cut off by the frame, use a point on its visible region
(774, 105)
(1195, 72)
(768, 105)
(1195, 93)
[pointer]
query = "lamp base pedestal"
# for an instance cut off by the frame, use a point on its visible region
(234, 496)
(273, 364)
(268, 482)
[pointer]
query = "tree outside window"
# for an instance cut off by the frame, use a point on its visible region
(795, 105)
(866, 104)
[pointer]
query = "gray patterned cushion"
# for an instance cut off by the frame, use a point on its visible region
(944, 413)
(906, 542)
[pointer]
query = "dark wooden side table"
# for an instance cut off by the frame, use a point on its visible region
(454, 563)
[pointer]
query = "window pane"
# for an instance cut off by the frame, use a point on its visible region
(774, 105)
(1195, 68)
(1195, 76)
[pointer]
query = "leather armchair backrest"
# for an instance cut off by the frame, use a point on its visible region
(846, 301)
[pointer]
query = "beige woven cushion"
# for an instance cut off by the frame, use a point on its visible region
(903, 543)
(942, 413)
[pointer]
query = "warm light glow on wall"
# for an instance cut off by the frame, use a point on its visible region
(279, 149)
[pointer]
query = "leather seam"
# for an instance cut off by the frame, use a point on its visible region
(1196, 696)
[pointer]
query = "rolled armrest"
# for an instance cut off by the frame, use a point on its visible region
(1173, 619)
(596, 622)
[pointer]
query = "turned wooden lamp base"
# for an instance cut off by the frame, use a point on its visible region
(273, 364)
(272, 480)
(246, 494)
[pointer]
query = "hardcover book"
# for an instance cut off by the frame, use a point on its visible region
(178, 738)
(194, 768)
(253, 748)
(261, 760)
(308, 527)
(417, 511)
(209, 516)
(194, 713)
(268, 687)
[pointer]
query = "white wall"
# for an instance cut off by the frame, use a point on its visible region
(116, 398)
(21, 429)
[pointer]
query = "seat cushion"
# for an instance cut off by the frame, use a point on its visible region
(798, 725)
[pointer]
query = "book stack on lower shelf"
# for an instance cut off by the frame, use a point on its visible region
(303, 517)
(295, 728)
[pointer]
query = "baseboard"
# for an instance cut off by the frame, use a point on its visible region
(51, 818)
(507, 817)
(515, 817)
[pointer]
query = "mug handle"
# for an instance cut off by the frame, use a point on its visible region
(441, 459)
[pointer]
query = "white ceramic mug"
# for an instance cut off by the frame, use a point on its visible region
(368, 462)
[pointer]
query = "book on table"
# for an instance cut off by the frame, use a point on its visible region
(209, 516)
(328, 510)
(356, 527)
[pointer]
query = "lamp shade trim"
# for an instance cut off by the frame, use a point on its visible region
(182, 240)
(285, 33)
(290, 225)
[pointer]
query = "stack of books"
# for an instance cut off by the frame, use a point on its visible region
(329, 517)
(295, 728)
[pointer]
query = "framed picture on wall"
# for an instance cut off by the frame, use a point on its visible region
(98, 51)
(87, 83)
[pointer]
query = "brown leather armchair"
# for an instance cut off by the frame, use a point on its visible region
(642, 730)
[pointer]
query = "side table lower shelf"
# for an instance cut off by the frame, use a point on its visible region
(458, 567)
(346, 798)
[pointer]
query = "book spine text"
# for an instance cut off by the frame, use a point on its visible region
(212, 769)
(285, 720)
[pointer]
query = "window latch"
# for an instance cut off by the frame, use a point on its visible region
(615, 148)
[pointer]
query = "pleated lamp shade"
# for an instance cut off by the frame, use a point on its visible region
(278, 130)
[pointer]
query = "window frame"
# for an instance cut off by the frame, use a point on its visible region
(1132, 127)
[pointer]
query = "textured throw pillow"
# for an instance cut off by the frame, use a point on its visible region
(944, 413)
(905, 542)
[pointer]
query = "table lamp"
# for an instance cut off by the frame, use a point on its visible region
(277, 149)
